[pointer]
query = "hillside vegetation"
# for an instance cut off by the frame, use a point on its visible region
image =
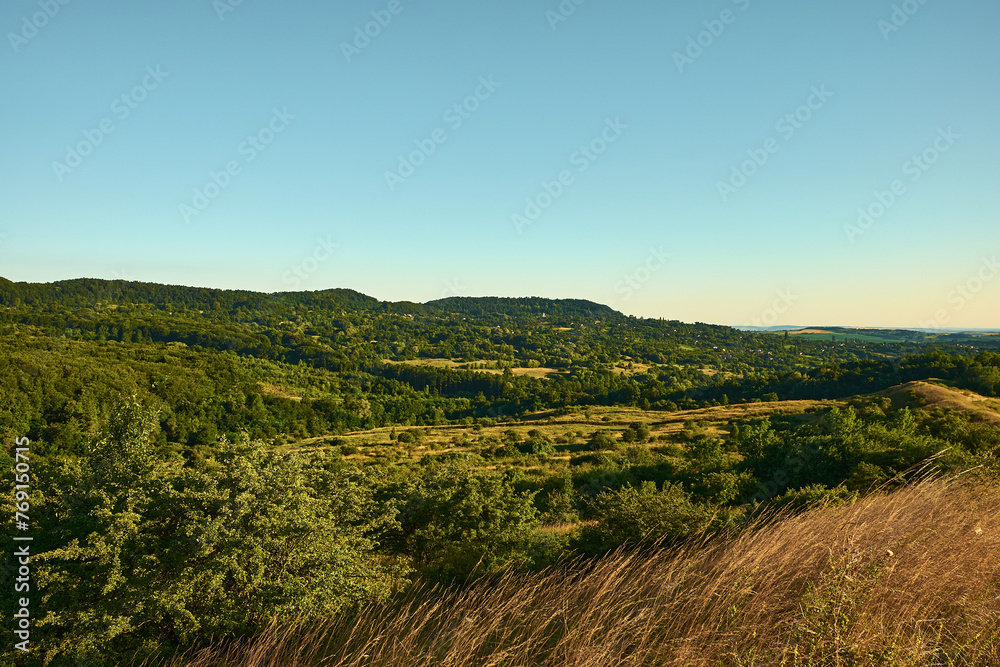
(206, 464)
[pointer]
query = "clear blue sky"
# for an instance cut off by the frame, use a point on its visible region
(640, 223)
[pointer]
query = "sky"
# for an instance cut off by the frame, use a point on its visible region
(741, 162)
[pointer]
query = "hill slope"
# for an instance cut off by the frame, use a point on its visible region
(931, 394)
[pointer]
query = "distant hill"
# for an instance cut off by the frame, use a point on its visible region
(87, 292)
(90, 291)
(866, 335)
(523, 307)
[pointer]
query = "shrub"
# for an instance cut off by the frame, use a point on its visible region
(636, 432)
(643, 515)
(458, 517)
(537, 444)
(601, 440)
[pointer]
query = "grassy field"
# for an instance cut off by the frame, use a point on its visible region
(569, 431)
(842, 337)
(931, 394)
(478, 366)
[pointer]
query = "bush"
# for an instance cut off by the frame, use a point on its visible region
(536, 444)
(643, 515)
(511, 436)
(601, 440)
(636, 432)
(410, 436)
(458, 517)
(866, 477)
(811, 496)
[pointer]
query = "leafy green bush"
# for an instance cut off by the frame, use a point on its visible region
(457, 518)
(810, 496)
(537, 444)
(636, 432)
(641, 516)
(144, 553)
(601, 440)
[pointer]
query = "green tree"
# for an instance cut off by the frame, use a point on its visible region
(151, 553)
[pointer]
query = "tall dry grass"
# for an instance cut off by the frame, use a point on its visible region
(907, 578)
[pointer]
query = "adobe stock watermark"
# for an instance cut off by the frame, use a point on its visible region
(453, 288)
(300, 272)
(249, 150)
(223, 7)
(582, 159)
(30, 25)
(121, 107)
(22, 504)
(562, 12)
(633, 281)
(714, 28)
(783, 301)
(363, 35)
(786, 126)
(454, 116)
(963, 293)
(901, 14)
(915, 168)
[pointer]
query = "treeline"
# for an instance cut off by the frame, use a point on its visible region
(980, 374)
(241, 305)
(346, 331)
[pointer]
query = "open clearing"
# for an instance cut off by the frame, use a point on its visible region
(478, 367)
(571, 430)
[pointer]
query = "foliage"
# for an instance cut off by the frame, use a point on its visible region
(636, 432)
(456, 518)
(148, 552)
(643, 515)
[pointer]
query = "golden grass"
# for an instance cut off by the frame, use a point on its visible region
(903, 579)
(476, 366)
(932, 393)
(269, 389)
(540, 372)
